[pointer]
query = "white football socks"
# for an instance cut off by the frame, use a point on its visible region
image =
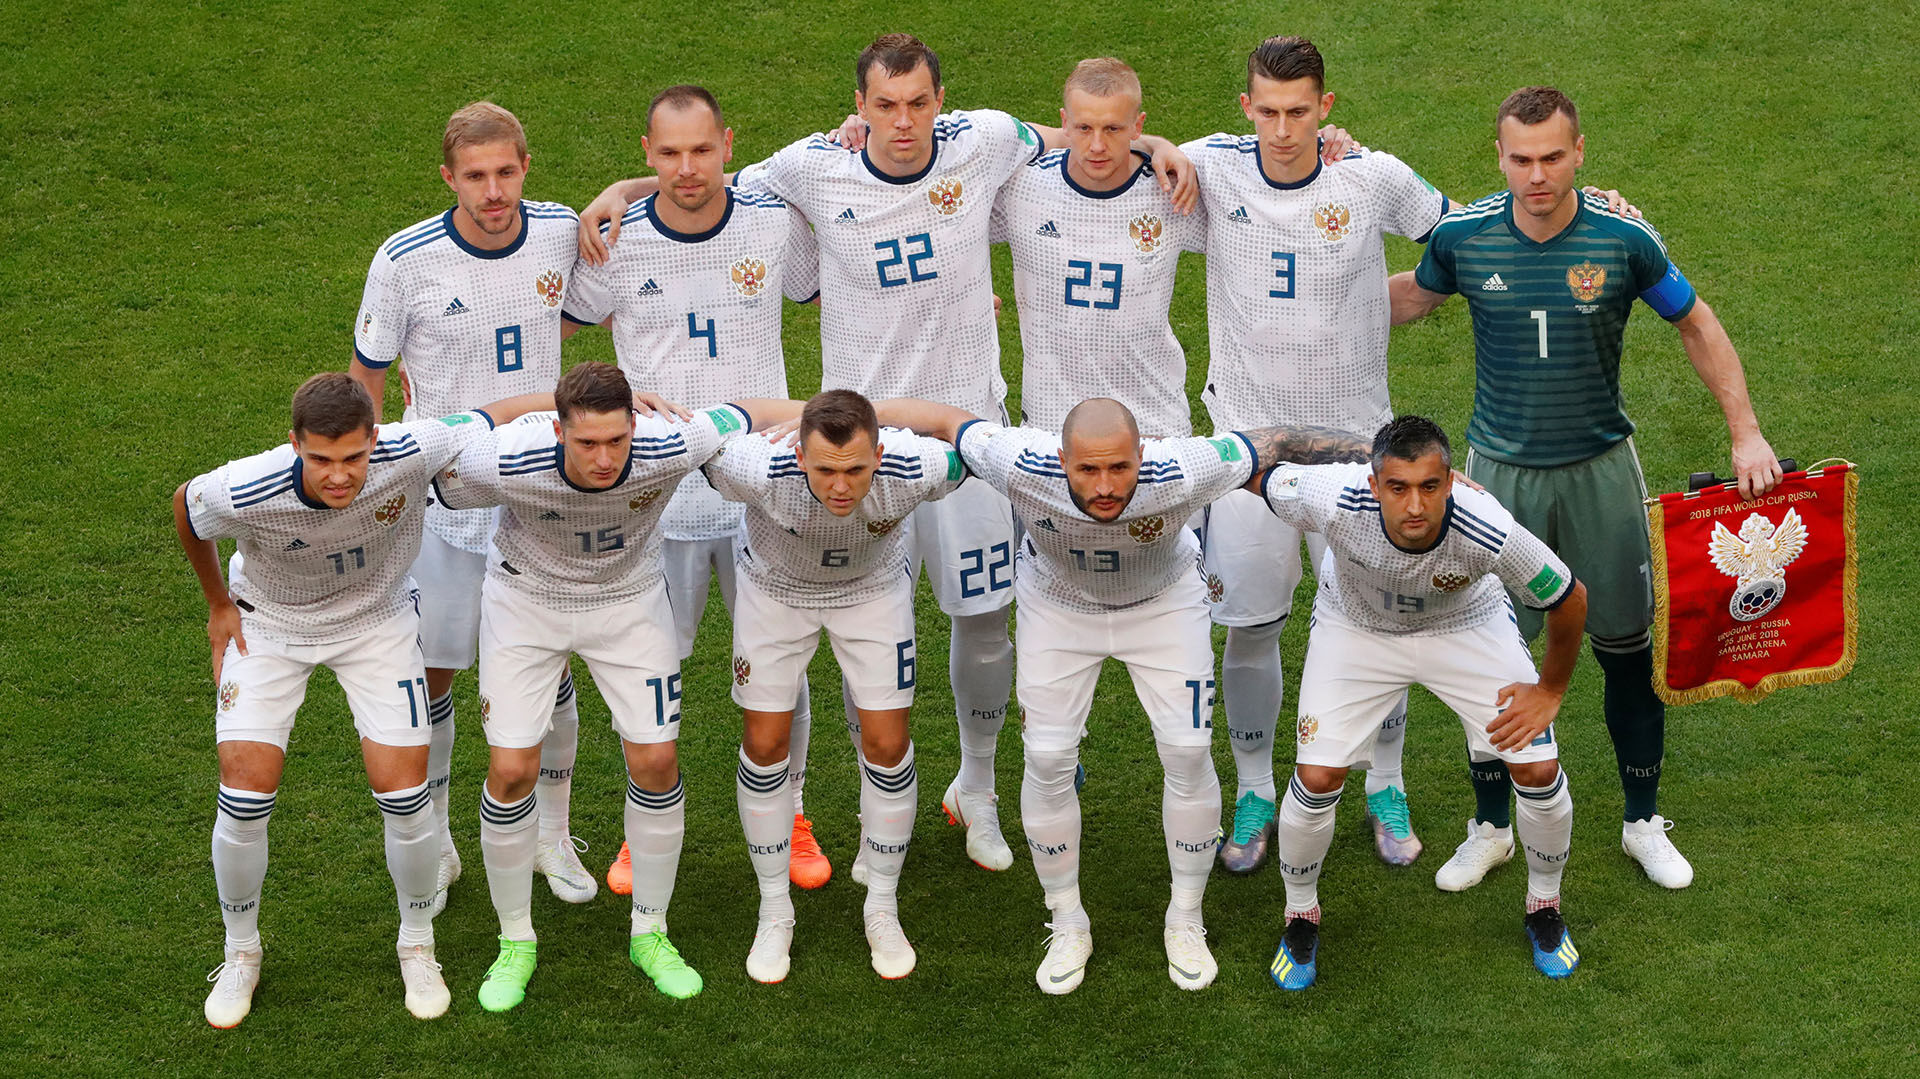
(1389, 744)
(509, 835)
(1545, 819)
(1050, 812)
(656, 827)
(440, 759)
(888, 798)
(766, 816)
(240, 862)
(980, 669)
(1190, 819)
(413, 858)
(1304, 836)
(1251, 682)
(557, 753)
(798, 738)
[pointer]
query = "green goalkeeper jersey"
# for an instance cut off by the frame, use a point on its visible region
(1548, 322)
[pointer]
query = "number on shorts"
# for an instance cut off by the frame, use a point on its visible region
(1202, 699)
(903, 653)
(416, 691)
(1003, 560)
(666, 692)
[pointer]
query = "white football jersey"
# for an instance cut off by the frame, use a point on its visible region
(1093, 566)
(1297, 312)
(1093, 281)
(473, 326)
(696, 317)
(1375, 584)
(574, 548)
(802, 555)
(906, 286)
(310, 574)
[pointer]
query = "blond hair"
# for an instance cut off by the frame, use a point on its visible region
(1104, 77)
(478, 124)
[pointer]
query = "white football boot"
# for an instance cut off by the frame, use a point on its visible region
(1065, 966)
(448, 873)
(980, 813)
(768, 960)
(1646, 842)
(233, 985)
(1484, 848)
(1189, 961)
(427, 996)
(893, 956)
(559, 860)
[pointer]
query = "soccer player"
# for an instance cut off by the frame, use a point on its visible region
(1107, 570)
(574, 567)
(471, 298)
(823, 549)
(326, 526)
(1550, 277)
(1297, 323)
(907, 311)
(1410, 592)
(694, 297)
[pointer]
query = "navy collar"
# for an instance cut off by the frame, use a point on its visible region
(560, 451)
(300, 485)
(482, 253)
(902, 181)
(1446, 523)
(653, 215)
(1260, 162)
(1066, 160)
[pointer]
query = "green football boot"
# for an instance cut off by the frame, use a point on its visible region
(506, 983)
(656, 956)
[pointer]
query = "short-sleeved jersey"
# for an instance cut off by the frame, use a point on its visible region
(1086, 565)
(1548, 323)
(310, 574)
(1376, 584)
(474, 326)
(1093, 280)
(1297, 311)
(577, 548)
(802, 555)
(696, 317)
(906, 286)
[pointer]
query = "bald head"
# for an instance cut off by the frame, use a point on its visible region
(1099, 418)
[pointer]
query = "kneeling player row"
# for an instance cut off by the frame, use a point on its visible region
(1412, 590)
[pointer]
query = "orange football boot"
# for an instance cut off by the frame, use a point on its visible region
(620, 873)
(809, 868)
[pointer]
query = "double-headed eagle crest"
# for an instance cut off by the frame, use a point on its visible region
(750, 276)
(1757, 558)
(1145, 231)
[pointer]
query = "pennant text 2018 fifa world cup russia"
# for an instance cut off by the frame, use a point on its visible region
(1754, 594)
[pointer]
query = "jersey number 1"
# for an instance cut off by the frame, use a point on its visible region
(1541, 318)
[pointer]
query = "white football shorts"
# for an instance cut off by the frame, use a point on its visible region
(773, 643)
(629, 647)
(1353, 678)
(691, 565)
(966, 542)
(381, 671)
(1165, 642)
(1255, 559)
(449, 580)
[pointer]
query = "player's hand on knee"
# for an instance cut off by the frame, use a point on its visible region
(1616, 202)
(852, 133)
(1525, 711)
(1755, 466)
(648, 403)
(1335, 142)
(223, 625)
(606, 210)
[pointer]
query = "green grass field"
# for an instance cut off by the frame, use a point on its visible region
(192, 195)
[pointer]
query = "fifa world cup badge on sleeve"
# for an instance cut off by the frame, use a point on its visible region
(1754, 594)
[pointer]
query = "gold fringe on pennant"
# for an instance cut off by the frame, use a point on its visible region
(1663, 610)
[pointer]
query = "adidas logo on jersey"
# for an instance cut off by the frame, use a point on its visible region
(1239, 217)
(1044, 525)
(1494, 284)
(1047, 230)
(456, 307)
(551, 516)
(297, 545)
(650, 289)
(846, 216)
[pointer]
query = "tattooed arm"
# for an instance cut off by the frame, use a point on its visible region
(1302, 445)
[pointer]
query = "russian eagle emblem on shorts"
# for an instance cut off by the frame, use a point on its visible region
(1756, 558)
(1309, 729)
(1333, 220)
(1216, 588)
(486, 708)
(549, 286)
(1586, 280)
(750, 276)
(229, 693)
(1451, 582)
(1146, 231)
(945, 197)
(1147, 529)
(644, 499)
(742, 670)
(881, 528)
(390, 512)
